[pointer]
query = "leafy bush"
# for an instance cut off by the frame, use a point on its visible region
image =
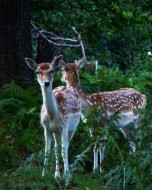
(19, 120)
(21, 155)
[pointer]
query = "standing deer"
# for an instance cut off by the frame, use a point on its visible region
(124, 100)
(60, 113)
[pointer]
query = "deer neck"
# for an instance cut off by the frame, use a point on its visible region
(49, 102)
(74, 84)
(82, 96)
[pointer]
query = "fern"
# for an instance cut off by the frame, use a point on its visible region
(137, 168)
(19, 121)
(22, 138)
(31, 95)
(79, 162)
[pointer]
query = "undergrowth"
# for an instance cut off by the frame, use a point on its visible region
(22, 140)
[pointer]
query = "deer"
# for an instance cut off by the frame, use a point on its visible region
(124, 101)
(60, 112)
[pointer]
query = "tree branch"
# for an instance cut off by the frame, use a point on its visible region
(50, 36)
(80, 41)
(55, 37)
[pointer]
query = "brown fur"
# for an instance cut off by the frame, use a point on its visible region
(124, 99)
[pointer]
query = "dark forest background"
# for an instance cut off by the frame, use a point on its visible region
(118, 34)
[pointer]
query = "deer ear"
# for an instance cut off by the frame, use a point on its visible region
(31, 63)
(81, 63)
(56, 61)
(63, 63)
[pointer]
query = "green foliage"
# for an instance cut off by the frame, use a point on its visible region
(122, 169)
(31, 95)
(116, 33)
(134, 172)
(21, 155)
(19, 121)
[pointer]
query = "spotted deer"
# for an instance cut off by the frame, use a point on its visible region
(60, 112)
(125, 101)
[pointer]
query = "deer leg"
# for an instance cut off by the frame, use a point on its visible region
(57, 141)
(130, 136)
(65, 145)
(132, 146)
(95, 155)
(102, 147)
(47, 136)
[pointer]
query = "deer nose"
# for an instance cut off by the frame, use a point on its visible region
(47, 83)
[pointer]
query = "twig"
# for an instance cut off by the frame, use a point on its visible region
(50, 36)
(41, 33)
(59, 38)
(81, 44)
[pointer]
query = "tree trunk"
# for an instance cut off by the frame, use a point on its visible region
(15, 42)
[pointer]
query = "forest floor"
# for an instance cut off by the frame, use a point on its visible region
(33, 181)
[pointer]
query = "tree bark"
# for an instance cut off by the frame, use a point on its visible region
(15, 42)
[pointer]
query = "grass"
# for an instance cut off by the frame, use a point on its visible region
(88, 181)
(30, 179)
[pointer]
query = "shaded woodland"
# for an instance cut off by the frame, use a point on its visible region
(117, 34)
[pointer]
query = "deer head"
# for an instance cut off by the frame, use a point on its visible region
(70, 73)
(44, 70)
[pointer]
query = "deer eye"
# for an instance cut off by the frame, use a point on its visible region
(66, 69)
(37, 71)
(52, 71)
